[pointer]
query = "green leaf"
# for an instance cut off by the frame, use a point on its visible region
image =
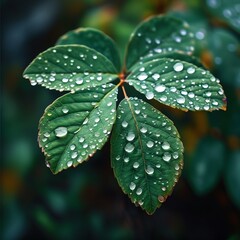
(146, 153)
(94, 39)
(227, 10)
(158, 35)
(173, 55)
(178, 84)
(76, 125)
(206, 165)
(232, 177)
(70, 68)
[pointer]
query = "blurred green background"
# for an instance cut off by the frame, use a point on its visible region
(86, 202)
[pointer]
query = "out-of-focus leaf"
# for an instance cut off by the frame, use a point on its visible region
(232, 177)
(224, 47)
(70, 68)
(158, 35)
(206, 165)
(76, 125)
(146, 153)
(178, 84)
(227, 10)
(94, 39)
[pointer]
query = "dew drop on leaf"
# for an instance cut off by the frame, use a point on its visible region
(132, 186)
(130, 137)
(129, 148)
(142, 76)
(160, 88)
(166, 157)
(165, 146)
(178, 67)
(181, 100)
(61, 132)
(139, 191)
(149, 95)
(149, 170)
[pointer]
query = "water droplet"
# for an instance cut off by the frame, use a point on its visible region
(130, 136)
(46, 134)
(74, 155)
(150, 144)
(160, 88)
(158, 166)
(177, 167)
(141, 69)
(126, 159)
(191, 95)
(191, 70)
(124, 124)
(65, 110)
(142, 76)
(79, 81)
(65, 80)
(205, 85)
(109, 104)
(206, 107)
(181, 100)
(72, 147)
(149, 170)
(166, 157)
(178, 67)
(163, 98)
(165, 146)
(136, 165)
(132, 186)
(69, 164)
(208, 94)
(143, 130)
(164, 189)
(161, 199)
(81, 139)
(139, 191)
(61, 132)
(149, 95)
(129, 147)
(155, 76)
(94, 57)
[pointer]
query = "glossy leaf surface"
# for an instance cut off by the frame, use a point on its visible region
(159, 35)
(178, 84)
(146, 153)
(94, 39)
(70, 68)
(76, 125)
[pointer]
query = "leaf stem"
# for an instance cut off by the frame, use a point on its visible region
(124, 92)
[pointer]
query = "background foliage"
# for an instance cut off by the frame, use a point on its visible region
(86, 202)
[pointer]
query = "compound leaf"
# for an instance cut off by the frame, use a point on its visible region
(206, 165)
(146, 153)
(70, 68)
(159, 35)
(76, 125)
(94, 39)
(178, 84)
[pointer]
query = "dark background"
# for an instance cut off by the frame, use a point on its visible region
(86, 202)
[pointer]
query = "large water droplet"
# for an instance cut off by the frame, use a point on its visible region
(150, 144)
(143, 130)
(136, 165)
(129, 147)
(124, 124)
(160, 88)
(181, 100)
(139, 191)
(61, 132)
(165, 146)
(149, 170)
(142, 76)
(167, 157)
(156, 76)
(191, 70)
(130, 136)
(69, 164)
(132, 186)
(149, 95)
(178, 67)
(74, 155)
